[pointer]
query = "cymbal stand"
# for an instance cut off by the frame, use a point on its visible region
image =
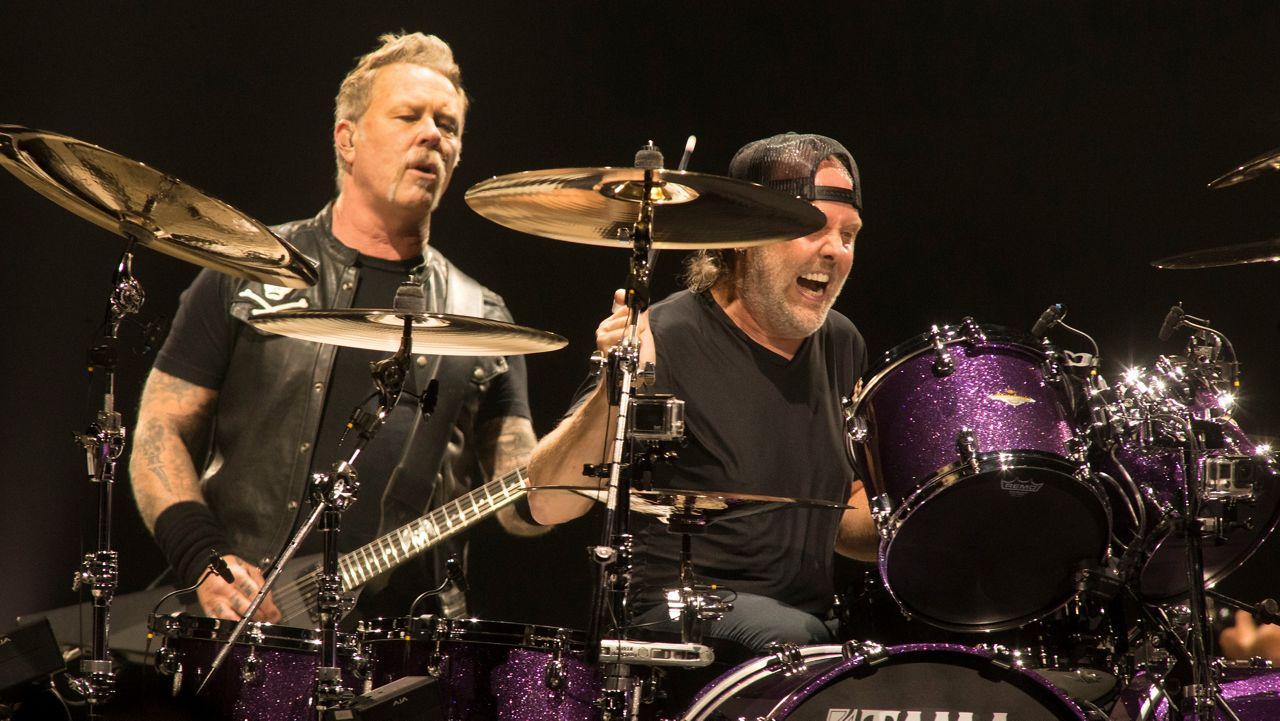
(332, 493)
(621, 697)
(104, 442)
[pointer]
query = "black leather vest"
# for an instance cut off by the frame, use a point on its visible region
(272, 397)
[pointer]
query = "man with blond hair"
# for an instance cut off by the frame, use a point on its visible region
(233, 421)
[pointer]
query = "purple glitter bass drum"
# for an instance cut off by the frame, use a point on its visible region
(1252, 693)
(268, 676)
(977, 480)
(489, 670)
(925, 682)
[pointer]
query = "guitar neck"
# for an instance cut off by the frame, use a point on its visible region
(391, 550)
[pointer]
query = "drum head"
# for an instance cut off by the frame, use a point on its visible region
(928, 682)
(994, 549)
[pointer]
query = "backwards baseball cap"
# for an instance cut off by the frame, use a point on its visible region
(788, 163)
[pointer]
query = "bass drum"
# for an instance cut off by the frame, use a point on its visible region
(977, 478)
(928, 681)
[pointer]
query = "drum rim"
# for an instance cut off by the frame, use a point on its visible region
(955, 473)
(257, 634)
(470, 630)
(748, 672)
(908, 349)
(822, 680)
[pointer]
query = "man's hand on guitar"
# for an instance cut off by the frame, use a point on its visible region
(220, 599)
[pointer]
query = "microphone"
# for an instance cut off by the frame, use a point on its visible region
(457, 576)
(1048, 319)
(1172, 321)
(220, 567)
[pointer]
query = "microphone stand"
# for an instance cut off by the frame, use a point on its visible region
(332, 493)
(104, 442)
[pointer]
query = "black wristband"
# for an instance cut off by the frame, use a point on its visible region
(186, 532)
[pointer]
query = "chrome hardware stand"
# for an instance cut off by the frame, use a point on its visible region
(332, 493)
(104, 442)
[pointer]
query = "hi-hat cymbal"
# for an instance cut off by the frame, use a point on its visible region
(598, 206)
(688, 506)
(1262, 164)
(1266, 251)
(158, 210)
(433, 333)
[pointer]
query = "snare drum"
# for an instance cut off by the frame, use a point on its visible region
(927, 681)
(977, 478)
(269, 675)
(489, 670)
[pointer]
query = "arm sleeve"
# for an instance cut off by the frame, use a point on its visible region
(198, 347)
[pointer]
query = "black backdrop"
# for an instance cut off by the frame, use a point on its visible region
(1014, 155)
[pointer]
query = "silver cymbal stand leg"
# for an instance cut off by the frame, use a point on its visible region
(104, 442)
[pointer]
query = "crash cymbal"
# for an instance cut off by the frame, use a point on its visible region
(686, 505)
(158, 210)
(1267, 251)
(433, 333)
(597, 206)
(1262, 164)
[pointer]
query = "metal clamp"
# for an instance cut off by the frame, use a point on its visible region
(943, 364)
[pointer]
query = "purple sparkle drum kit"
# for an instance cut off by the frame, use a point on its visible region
(977, 478)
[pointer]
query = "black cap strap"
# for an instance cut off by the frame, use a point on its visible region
(834, 194)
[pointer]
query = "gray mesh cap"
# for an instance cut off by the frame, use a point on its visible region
(788, 163)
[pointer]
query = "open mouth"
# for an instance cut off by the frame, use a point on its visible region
(425, 167)
(815, 283)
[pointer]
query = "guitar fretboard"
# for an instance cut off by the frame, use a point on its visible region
(387, 552)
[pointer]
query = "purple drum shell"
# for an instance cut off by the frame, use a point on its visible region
(1253, 694)
(1162, 471)
(985, 548)
(489, 671)
(923, 681)
(996, 391)
(281, 689)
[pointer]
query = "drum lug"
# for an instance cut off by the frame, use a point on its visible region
(854, 426)
(972, 332)
(251, 669)
(870, 651)
(786, 657)
(881, 510)
(967, 447)
(1003, 656)
(943, 364)
(553, 674)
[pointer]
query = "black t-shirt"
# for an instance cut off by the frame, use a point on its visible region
(207, 332)
(755, 423)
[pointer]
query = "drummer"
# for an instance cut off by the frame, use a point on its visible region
(233, 420)
(761, 360)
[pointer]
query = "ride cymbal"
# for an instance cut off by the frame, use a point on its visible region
(598, 206)
(433, 333)
(1262, 164)
(159, 211)
(1267, 251)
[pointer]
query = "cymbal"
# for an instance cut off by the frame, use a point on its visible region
(597, 206)
(1263, 163)
(433, 333)
(699, 506)
(158, 210)
(1266, 251)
